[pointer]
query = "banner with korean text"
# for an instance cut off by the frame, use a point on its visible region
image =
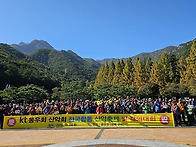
(89, 120)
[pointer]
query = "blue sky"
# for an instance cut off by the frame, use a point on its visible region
(99, 28)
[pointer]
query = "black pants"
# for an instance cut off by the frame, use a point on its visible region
(1, 124)
(177, 119)
(190, 119)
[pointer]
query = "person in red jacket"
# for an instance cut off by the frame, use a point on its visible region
(100, 109)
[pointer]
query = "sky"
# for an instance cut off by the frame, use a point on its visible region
(99, 29)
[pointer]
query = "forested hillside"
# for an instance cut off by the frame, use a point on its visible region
(16, 69)
(62, 66)
(52, 74)
(169, 76)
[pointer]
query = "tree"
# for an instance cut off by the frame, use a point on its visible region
(182, 70)
(155, 73)
(10, 94)
(111, 73)
(138, 73)
(190, 77)
(118, 72)
(56, 93)
(98, 80)
(32, 93)
(173, 69)
(122, 63)
(128, 73)
(105, 74)
(165, 69)
(149, 90)
(148, 68)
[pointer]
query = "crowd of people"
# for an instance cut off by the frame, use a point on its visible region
(184, 110)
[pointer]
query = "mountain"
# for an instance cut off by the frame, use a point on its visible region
(44, 67)
(181, 50)
(18, 69)
(64, 65)
(41, 44)
(28, 48)
(87, 62)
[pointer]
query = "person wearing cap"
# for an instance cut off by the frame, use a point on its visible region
(116, 107)
(100, 109)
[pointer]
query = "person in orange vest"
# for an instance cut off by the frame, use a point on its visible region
(181, 106)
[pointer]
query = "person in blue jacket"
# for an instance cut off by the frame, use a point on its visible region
(158, 106)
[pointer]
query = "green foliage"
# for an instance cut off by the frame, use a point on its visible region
(10, 94)
(149, 90)
(64, 66)
(111, 90)
(31, 93)
(159, 79)
(18, 70)
(47, 68)
(174, 90)
(77, 90)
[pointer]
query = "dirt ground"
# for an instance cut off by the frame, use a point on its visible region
(36, 138)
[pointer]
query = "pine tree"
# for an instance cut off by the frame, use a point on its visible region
(148, 68)
(174, 74)
(118, 73)
(128, 73)
(98, 80)
(122, 63)
(165, 69)
(182, 70)
(105, 74)
(190, 77)
(138, 73)
(111, 73)
(155, 73)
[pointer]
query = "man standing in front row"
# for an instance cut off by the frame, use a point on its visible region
(2, 114)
